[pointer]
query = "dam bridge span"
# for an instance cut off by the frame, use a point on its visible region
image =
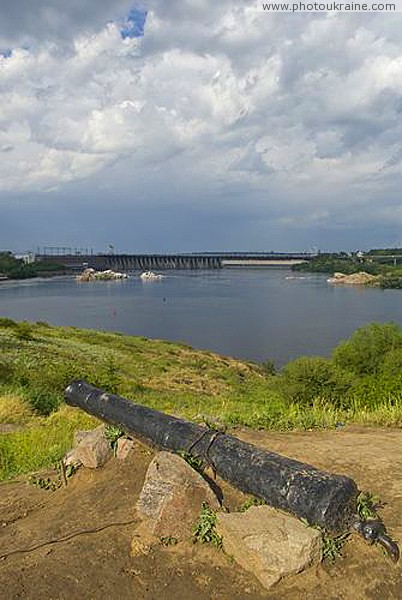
(192, 261)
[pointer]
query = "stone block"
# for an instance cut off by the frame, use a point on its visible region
(123, 448)
(93, 449)
(80, 436)
(172, 496)
(268, 543)
(71, 459)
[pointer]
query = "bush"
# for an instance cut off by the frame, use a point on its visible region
(23, 331)
(268, 367)
(374, 391)
(15, 268)
(43, 324)
(6, 372)
(310, 377)
(5, 322)
(364, 352)
(391, 282)
(39, 372)
(107, 376)
(44, 402)
(391, 365)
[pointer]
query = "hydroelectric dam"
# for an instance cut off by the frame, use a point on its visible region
(76, 262)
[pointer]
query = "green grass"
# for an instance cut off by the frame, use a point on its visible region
(42, 442)
(313, 393)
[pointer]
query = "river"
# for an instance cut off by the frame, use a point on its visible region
(257, 314)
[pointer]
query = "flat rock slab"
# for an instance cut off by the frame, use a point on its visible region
(270, 544)
(172, 496)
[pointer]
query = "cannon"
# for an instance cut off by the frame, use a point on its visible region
(321, 498)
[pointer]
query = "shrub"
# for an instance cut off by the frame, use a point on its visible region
(268, 367)
(392, 363)
(373, 391)
(5, 322)
(391, 282)
(42, 373)
(310, 377)
(364, 352)
(6, 372)
(107, 375)
(44, 402)
(23, 331)
(43, 324)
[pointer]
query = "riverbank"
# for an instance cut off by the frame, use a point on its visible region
(360, 384)
(12, 268)
(358, 269)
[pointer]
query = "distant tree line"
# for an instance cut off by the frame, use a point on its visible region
(385, 251)
(389, 270)
(16, 268)
(339, 262)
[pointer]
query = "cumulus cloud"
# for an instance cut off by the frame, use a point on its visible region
(293, 109)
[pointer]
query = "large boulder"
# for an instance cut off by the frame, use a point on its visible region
(270, 544)
(172, 496)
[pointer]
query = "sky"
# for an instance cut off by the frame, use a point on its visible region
(197, 125)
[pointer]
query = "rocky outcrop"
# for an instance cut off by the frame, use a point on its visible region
(172, 496)
(361, 278)
(150, 275)
(269, 544)
(92, 275)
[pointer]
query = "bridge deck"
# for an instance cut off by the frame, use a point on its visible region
(144, 262)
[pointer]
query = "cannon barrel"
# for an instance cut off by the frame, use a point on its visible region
(322, 498)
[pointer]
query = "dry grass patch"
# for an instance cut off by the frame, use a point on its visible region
(14, 410)
(184, 379)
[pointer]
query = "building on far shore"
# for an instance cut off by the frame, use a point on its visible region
(28, 258)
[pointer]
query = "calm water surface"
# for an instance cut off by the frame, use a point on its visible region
(257, 314)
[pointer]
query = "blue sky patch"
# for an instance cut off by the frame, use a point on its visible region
(134, 24)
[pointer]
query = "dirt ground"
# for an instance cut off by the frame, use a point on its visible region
(90, 524)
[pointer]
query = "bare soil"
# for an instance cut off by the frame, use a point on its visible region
(82, 533)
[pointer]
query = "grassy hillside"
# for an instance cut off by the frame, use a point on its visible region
(361, 383)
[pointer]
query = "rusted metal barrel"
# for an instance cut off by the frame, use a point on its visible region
(321, 498)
